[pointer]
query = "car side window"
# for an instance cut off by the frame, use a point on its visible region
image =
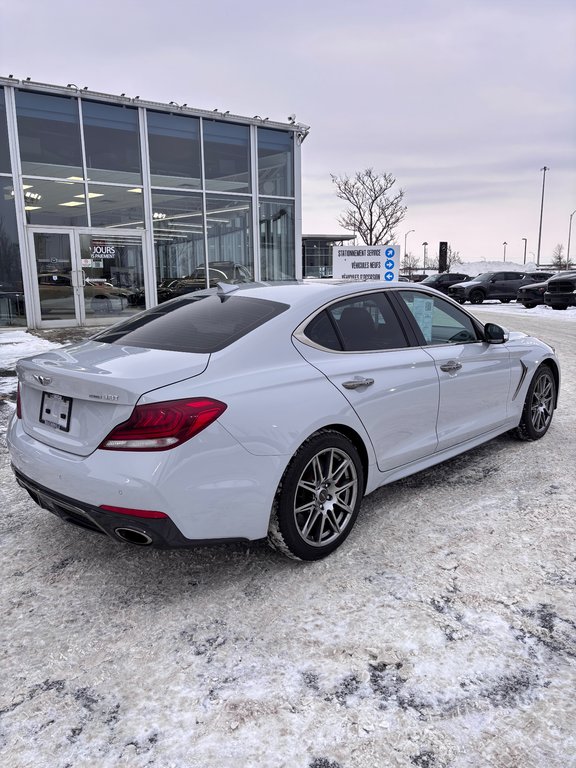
(439, 321)
(358, 324)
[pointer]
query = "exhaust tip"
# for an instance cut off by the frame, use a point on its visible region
(132, 536)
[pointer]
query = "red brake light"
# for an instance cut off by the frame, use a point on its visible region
(18, 404)
(160, 426)
(148, 513)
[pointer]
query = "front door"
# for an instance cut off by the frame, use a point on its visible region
(84, 278)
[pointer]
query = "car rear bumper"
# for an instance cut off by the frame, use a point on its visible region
(158, 533)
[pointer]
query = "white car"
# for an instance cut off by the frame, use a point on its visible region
(267, 410)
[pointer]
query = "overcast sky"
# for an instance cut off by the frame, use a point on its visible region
(463, 101)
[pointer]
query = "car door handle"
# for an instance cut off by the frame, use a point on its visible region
(451, 366)
(358, 382)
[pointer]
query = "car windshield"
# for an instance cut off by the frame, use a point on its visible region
(201, 324)
(483, 276)
(431, 280)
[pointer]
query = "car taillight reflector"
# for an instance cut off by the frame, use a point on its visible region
(18, 404)
(134, 512)
(160, 426)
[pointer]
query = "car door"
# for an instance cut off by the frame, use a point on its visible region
(360, 346)
(474, 375)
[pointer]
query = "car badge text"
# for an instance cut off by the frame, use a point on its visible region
(104, 397)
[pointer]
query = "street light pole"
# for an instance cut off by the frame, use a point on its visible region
(504, 244)
(425, 244)
(541, 212)
(569, 233)
(406, 237)
(525, 246)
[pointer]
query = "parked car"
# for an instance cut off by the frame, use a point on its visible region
(532, 295)
(561, 291)
(494, 285)
(444, 280)
(267, 410)
(56, 293)
(218, 272)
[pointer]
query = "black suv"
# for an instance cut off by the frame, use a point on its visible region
(532, 295)
(443, 281)
(494, 285)
(561, 291)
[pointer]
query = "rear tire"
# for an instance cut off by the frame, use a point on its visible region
(505, 301)
(528, 304)
(476, 297)
(538, 406)
(318, 498)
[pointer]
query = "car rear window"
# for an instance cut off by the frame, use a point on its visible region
(194, 324)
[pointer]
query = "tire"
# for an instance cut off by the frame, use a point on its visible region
(476, 296)
(505, 301)
(538, 406)
(325, 481)
(528, 304)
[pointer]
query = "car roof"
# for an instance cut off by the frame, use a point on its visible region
(313, 293)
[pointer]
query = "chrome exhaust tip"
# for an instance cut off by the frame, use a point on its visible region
(132, 536)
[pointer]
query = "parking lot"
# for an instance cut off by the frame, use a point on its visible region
(441, 635)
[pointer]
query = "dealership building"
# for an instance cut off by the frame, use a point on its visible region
(107, 199)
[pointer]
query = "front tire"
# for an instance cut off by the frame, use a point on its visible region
(476, 297)
(318, 498)
(538, 406)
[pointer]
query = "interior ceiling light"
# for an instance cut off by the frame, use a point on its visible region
(75, 178)
(91, 194)
(71, 204)
(136, 189)
(32, 207)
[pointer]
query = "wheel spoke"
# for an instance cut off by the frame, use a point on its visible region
(312, 518)
(331, 515)
(341, 469)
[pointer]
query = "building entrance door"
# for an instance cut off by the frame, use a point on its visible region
(85, 278)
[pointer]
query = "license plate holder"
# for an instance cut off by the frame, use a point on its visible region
(55, 411)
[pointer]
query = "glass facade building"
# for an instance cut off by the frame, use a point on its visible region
(109, 204)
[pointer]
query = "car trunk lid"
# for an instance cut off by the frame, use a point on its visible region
(72, 397)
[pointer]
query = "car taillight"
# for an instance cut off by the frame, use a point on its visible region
(18, 404)
(160, 426)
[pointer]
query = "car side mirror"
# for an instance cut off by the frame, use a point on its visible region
(495, 334)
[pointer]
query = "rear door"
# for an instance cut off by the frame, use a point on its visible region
(361, 347)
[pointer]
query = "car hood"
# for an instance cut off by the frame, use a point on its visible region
(104, 381)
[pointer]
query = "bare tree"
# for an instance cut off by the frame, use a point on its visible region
(559, 261)
(409, 264)
(452, 258)
(373, 212)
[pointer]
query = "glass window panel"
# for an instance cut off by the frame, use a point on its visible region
(116, 206)
(229, 228)
(112, 143)
(178, 238)
(113, 274)
(439, 321)
(49, 135)
(4, 147)
(275, 162)
(60, 203)
(277, 258)
(226, 156)
(174, 144)
(12, 308)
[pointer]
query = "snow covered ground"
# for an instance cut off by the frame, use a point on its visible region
(441, 635)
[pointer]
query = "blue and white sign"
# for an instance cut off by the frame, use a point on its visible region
(367, 262)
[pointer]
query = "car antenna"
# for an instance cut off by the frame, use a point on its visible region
(225, 288)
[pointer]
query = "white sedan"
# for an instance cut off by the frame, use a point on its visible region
(268, 410)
